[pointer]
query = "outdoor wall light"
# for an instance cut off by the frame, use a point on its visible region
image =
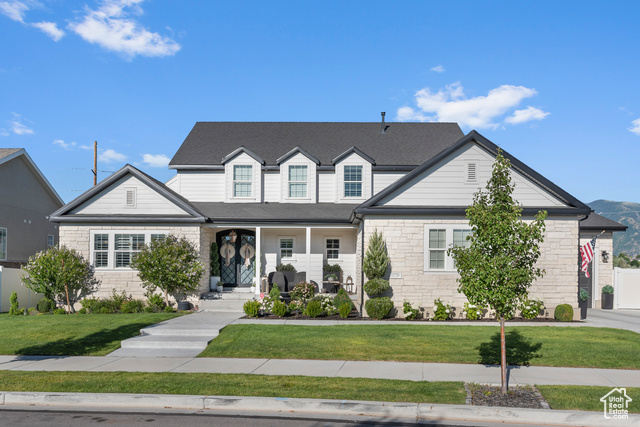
(233, 236)
(605, 257)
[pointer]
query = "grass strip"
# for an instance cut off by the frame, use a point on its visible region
(235, 385)
(72, 335)
(584, 398)
(526, 345)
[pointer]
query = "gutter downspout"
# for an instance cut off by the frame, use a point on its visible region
(361, 267)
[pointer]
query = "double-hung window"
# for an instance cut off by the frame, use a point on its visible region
(332, 248)
(242, 180)
(116, 249)
(3, 244)
(437, 241)
(297, 181)
(51, 241)
(353, 181)
(101, 250)
(126, 245)
(286, 247)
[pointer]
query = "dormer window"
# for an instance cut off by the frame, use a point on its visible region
(242, 180)
(297, 181)
(353, 181)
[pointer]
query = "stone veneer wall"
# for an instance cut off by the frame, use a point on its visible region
(602, 272)
(77, 236)
(405, 245)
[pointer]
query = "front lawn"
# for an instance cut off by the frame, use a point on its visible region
(535, 345)
(584, 398)
(72, 335)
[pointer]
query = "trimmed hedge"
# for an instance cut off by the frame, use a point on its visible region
(376, 287)
(378, 308)
(563, 313)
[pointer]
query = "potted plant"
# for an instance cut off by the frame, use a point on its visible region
(607, 297)
(252, 289)
(332, 270)
(583, 297)
(214, 266)
(220, 286)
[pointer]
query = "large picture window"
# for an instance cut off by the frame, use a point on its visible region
(437, 241)
(3, 244)
(116, 249)
(353, 181)
(242, 180)
(297, 181)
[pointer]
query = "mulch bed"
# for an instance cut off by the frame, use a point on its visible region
(516, 397)
(355, 316)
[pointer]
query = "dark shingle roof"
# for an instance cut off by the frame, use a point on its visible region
(4, 152)
(598, 222)
(401, 144)
(276, 212)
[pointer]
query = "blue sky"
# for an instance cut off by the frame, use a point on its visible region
(555, 83)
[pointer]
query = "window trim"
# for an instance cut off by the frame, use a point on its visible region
(449, 263)
(344, 182)
(305, 182)
(293, 248)
(235, 181)
(5, 243)
(326, 249)
(111, 248)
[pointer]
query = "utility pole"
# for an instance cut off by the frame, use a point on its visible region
(95, 163)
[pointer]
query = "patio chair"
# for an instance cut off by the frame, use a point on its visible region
(281, 282)
(301, 276)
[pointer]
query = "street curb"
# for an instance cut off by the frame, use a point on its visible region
(413, 411)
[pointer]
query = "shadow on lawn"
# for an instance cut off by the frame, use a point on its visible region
(86, 345)
(520, 350)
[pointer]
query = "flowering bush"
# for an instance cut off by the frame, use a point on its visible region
(296, 307)
(326, 304)
(410, 313)
(531, 308)
(473, 312)
(441, 311)
(303, 291)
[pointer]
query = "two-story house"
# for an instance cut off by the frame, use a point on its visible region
(310, 194)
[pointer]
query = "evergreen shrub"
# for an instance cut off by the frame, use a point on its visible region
(378, 308)
(563, 313)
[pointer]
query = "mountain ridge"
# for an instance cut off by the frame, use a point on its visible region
(626, 213)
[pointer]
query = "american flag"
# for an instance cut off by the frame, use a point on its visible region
(587, 255)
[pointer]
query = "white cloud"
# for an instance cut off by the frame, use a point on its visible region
(85, 147)
(50, 29)
(451, 105)
(155, 160)
(112, 156)
(18, 127)
(636, 127)
(438, 69)
(14, 9)
(526, 115)
(111, 27)
(65, 145)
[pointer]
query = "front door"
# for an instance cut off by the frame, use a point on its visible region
(237, 259)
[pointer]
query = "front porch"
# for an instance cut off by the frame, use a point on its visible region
(247, 254)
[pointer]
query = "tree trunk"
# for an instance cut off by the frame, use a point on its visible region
(166, 297)
(503, 357)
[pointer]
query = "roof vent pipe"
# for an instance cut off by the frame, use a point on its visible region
(382, 126)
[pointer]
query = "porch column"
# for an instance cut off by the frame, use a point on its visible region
(308, 249)
(258, 262)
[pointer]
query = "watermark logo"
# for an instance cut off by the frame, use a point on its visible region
(616, 404)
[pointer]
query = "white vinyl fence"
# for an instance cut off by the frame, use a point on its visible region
(626, 284)
(10, 282)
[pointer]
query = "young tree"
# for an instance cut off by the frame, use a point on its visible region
(497, 269)
(170, 264)
(60, 274)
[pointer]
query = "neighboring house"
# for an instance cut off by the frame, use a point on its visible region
(309, 194)
(26, 200)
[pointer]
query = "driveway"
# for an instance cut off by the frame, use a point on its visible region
(619, 319)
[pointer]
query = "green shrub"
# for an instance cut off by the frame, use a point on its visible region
(473, 312)
(583, 295)
(332, 268)
(279, 308)
(32, 310)
(313, 309)
(251, 308)
(296, 306)
(326, 304)
(376, 287)
(105, 310)
(342, 298)
(330, 277)
(45, 305)
(148, 309)
(168, 309)
(155, 301)
(82, 311)
(133, 306)
(13, 299)
(59, 311)
(378, 308)
(441, 311)
(345, 309)
(410, 313)
(563, 313)
(531, 308)
(285, 267)
(376, 260)
(303, 291)
(608, 289)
